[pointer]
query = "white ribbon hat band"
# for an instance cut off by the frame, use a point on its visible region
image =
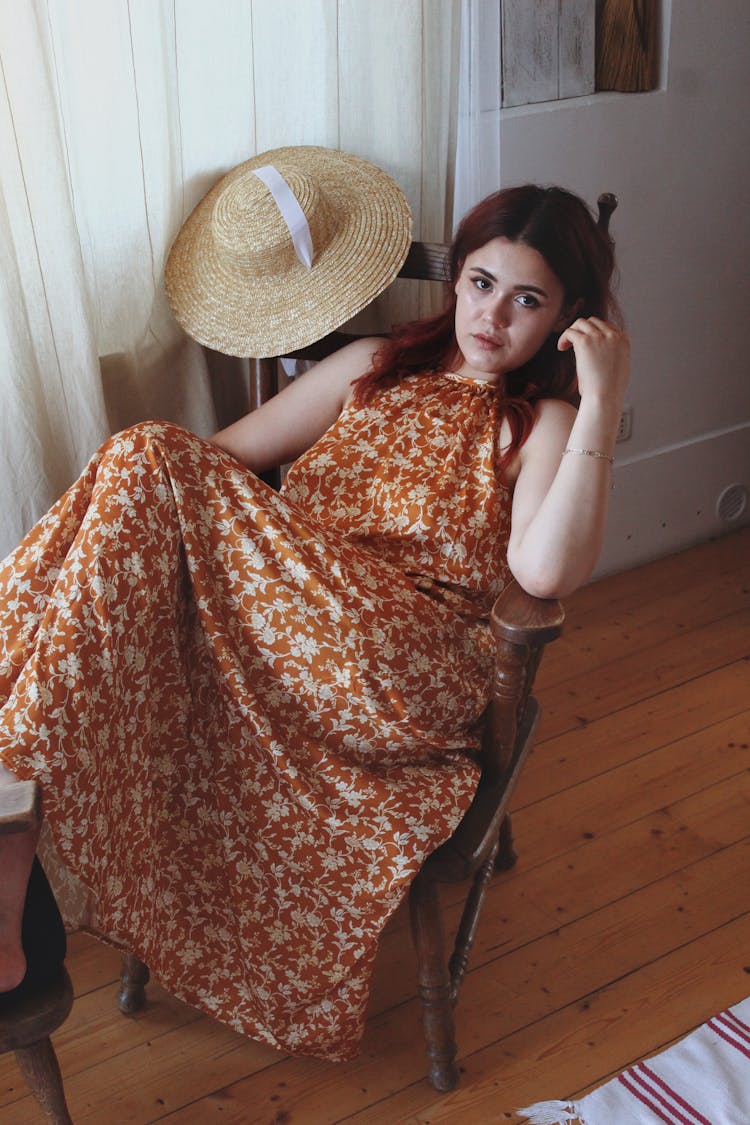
(291, 212)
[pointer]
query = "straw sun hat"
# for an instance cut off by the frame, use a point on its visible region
(284, 249)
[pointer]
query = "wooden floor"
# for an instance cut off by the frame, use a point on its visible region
(625, 924)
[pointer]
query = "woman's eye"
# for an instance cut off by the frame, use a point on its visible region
(527, 301)
(482, 284)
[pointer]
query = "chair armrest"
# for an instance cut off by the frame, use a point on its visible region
(521, 625)
(20, 807)
(522, 619)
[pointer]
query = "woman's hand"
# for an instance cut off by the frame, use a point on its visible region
(602, 359)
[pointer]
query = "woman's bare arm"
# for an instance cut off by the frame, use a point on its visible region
(293, 420)
(560, 502)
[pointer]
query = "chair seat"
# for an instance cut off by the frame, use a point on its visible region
(25, 1027)
(33, 1017)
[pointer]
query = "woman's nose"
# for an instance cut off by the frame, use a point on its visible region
(497, 312)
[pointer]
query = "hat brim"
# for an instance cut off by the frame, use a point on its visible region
(242, 314)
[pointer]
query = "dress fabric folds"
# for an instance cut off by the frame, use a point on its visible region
(255, 714)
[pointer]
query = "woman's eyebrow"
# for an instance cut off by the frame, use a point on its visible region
(519, 288)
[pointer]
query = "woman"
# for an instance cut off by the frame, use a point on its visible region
(255, 715)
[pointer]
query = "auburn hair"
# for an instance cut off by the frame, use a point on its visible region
(559, 226)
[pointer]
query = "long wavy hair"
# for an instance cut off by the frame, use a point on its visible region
(561, 228)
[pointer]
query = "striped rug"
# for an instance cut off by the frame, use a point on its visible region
(702, 1080)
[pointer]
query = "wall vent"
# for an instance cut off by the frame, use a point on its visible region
(732, 502)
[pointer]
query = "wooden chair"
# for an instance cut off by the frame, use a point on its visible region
(26, 1025)
(482, 843)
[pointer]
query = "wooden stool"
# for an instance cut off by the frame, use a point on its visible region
(25, 1027)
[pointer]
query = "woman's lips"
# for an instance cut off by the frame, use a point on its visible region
(487, 341)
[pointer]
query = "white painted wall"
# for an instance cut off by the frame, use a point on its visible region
(679, 161)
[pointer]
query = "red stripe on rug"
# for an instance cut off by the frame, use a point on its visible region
(633, 1089)
(672, 1093)
(635, 1085)
(739, 1026)
(715, 1027)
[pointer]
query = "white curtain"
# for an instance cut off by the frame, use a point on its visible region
(116, 116)
(478, 148)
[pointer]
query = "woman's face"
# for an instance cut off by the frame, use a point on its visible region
(508, 302)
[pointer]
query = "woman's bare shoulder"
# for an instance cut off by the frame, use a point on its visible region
(553, 413)
(553, 421)
(344, 366)
(363, 348)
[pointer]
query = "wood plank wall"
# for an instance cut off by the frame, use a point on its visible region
(547, 49)
(625, 924)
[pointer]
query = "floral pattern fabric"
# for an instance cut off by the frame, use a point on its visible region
(254, 714)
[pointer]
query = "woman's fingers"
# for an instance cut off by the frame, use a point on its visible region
(602, 354)
(587, 327)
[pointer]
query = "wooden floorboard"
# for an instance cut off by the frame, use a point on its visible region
(625, 924)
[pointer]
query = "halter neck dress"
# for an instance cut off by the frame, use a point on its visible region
(255, 714)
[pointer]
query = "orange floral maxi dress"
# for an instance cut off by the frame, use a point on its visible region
(253, 714)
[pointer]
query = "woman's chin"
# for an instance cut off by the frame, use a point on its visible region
(482, 372)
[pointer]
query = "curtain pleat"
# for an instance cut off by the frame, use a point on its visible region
(478, 140)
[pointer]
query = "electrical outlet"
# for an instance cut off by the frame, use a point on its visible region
(625, 429)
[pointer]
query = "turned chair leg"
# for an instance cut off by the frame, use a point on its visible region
(467, 927)
(39, 1066)
(506, 853)
(434, 983)
(134, 976)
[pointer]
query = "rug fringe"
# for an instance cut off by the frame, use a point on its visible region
(550, 1113)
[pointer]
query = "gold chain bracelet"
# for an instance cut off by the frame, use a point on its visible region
(590, 453)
